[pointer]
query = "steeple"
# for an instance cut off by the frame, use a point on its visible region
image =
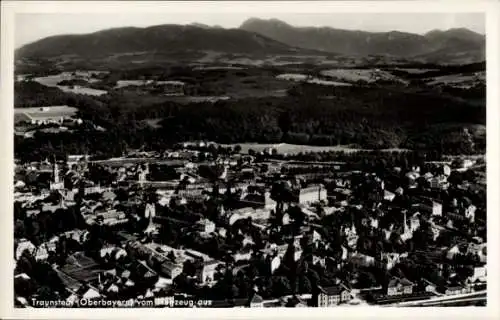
(405, 224)
(56, 172)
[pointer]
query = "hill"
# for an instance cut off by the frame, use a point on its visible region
(156, 40)
(436, 46)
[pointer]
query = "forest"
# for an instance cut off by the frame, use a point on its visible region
(364, 116)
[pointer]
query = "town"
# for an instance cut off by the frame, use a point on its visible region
(204, 222)
(263, 164)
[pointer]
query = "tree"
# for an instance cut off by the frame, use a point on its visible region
(237, 148)
(280, 286)
(303, 285)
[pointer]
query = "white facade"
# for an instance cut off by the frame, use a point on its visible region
(312, 194)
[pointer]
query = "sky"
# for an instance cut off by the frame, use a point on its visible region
(30, 27)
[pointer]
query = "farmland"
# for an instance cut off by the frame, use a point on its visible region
(294, 148)
(54, 80)
(365, 75)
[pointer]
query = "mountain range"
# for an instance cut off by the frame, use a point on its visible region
(155, 39)
(268, 37)
(436, 45)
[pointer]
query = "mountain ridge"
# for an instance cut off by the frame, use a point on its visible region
(358, 42)
(259, 36)
(159, 38)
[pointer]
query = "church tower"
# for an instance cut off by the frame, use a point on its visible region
(56, 184)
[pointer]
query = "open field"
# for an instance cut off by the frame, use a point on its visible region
(293, 148)
(53, 80)
(313, 80)
(459, 80)
(354, 75)
(415, 70)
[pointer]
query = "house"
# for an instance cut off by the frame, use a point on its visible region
(452, 252)
(470, 212)
(439, 182)
(429, 286)
(44, 115)
(361, 259)
(332, 296)
(242, 256)
(248, 212)
(91, 293)
(389, 196)
(318, 260)
(206, 226)
(414, 222)
(23, 245)
(293, 302)
(479, 274)
(452, 290)
(42, 253)
(437, 208)
(351, 236)
(398, 286)
(170, 269)
(207, 273)
(275, 263)
(479, 250)
(390, 259)
(142, 271)
(256, 301)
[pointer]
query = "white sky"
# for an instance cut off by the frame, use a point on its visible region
(30, 27)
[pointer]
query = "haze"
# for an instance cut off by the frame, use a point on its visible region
(30, 27)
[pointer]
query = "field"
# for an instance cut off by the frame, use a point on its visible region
(126, 83)
(458, 80)
(415, 70)
(313, 80)
(355, 75)
(53, 80)
(294, 148)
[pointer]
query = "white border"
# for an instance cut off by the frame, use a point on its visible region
(9, 8)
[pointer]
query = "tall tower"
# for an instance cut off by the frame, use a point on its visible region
(56, 172)
(405, 224)
(56, 183)
(149, 213)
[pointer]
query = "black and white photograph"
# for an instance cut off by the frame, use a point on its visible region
(254, 158)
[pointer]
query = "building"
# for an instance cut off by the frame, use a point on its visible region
(312, 194)
(44, 115)
(389, 196)
(351, 235)
(452, 290)
(256, 301)
(76, 159)
(398, 286)
(172, 88)
(390, 259)
(470, 212)
(207, 273)
(24, 245)
(56, 184)
(360, 259)
(437, 208)
(439, 182)
(479, 274)
(205, 226)
(429, 286)
(170, 269)
(332, 296)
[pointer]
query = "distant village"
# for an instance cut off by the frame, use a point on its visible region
(227, 228)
